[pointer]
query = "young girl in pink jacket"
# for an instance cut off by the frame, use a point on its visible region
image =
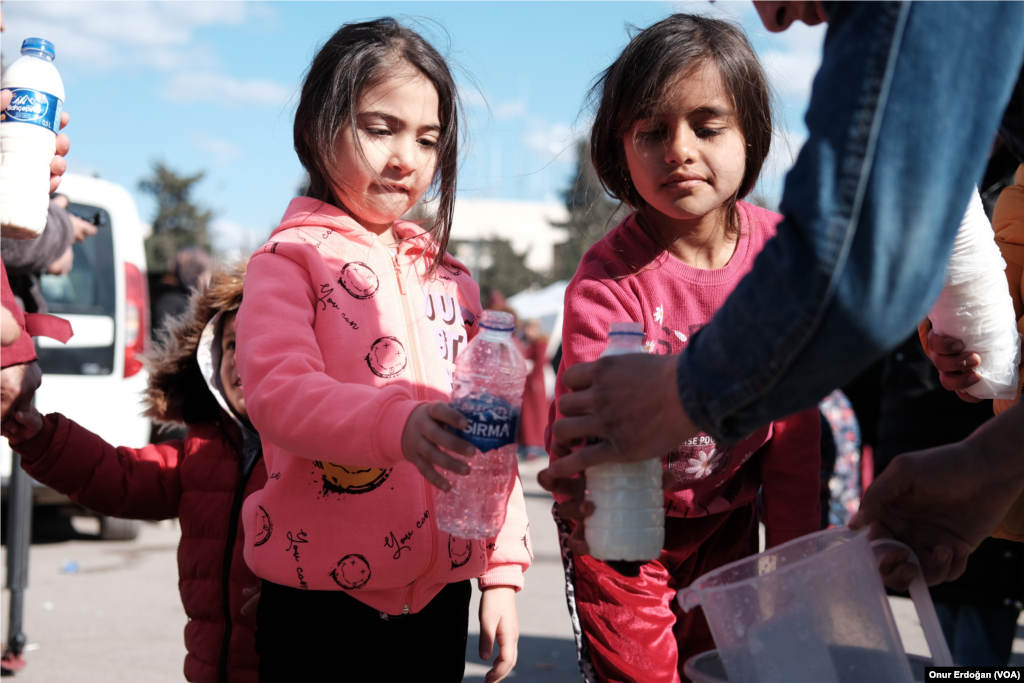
(347, 341)
(682, 128)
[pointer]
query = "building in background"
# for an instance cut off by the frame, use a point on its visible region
(526, 226)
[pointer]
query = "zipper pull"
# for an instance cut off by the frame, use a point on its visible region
(401, 287)
(405, 610)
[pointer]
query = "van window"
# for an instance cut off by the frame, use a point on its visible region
(89, 289)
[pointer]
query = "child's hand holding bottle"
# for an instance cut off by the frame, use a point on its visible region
(425, 435)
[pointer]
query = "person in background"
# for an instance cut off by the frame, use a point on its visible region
(534, 417)
(201, 479)
(169, 295)
(978, 610)
(999, 483)
(841, 451)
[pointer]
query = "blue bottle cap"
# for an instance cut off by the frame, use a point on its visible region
(39, 45)
(626, 328)
(498, 321)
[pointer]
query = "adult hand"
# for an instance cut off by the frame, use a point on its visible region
(425, 435)
(18, 384)
(82, 228)
(955, 366)
(630, 402)
(944, 501)
(57, 165)
(778, 16)
(499, 623)
(64, 264)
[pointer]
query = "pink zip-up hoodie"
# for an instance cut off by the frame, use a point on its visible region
(339, 339)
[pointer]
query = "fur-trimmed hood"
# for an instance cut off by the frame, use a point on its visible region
(177, 391)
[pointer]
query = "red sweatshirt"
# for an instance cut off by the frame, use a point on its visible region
(626, 277)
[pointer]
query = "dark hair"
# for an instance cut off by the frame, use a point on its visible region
(356, 57)
(634, 86)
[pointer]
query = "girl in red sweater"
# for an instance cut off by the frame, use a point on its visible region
(682, 128)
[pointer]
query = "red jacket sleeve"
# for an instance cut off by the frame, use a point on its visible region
(791, 478)
(23, 350)
(131, 483)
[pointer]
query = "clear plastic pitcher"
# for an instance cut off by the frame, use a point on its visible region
(814, 610)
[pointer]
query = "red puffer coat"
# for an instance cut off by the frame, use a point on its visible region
(202, 480)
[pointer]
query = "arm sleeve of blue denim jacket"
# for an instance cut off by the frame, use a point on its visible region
(902, 115)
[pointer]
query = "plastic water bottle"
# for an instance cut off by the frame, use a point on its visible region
(629, 515)
(28, 139)
(487, 388)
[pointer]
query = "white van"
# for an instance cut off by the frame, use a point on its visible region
(95, 379)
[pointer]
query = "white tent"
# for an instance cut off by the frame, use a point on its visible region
(546, 306)
(543, 304)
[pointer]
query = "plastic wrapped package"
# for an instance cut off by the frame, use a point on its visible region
(975, 306)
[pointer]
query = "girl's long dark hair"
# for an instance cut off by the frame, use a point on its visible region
(356, 57)
(635, 85)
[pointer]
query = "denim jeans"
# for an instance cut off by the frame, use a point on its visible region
(978, 636)
(903, 113)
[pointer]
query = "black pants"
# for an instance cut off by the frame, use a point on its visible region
(313, 636)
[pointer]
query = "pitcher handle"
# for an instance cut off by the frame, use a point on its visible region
(688, 598)
(922, 603)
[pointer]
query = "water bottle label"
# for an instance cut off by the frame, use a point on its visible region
(492, 421)
(35, 107)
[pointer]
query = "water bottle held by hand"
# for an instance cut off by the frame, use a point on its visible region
(487, 388)
(28, 139)
(629, 517)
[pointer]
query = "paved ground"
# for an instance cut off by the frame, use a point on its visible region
(547, 651)
(117, 617)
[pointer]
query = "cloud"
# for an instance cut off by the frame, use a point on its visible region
(730, 10)
(786, 146)
(471, 96)
(510, 110)
(90, 36)
(79, 167)
(550, 139)
(222, 151)
(235, 240)
(792, 58)
(224, 90)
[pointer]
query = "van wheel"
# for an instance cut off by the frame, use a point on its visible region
(114, 529)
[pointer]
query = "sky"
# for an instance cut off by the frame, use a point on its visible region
(212, 87)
